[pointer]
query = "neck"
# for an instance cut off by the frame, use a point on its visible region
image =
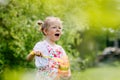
(52, 43)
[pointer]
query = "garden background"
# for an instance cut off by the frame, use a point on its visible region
(88, 26)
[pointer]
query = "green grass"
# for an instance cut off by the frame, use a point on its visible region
(98, 73)
(18, 74)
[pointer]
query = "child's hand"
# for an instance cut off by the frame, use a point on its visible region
(32, 54)
(64, 64)
(64, 74)
(38, 53)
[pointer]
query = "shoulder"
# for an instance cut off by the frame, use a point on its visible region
(40, 43)
(61, 48)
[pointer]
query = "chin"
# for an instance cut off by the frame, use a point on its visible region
(56, 40)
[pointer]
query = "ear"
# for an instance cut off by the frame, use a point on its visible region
(45, 31)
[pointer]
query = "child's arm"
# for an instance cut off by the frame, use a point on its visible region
(31, 55)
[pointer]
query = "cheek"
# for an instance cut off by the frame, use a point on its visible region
(51, 33)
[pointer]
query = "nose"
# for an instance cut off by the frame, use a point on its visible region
(57, 30)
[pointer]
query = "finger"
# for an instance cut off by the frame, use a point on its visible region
(41, 55)
(38, 53)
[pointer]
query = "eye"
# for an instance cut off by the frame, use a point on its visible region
(54, 27)
(60, 28)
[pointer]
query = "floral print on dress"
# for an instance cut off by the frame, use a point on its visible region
(54, 53)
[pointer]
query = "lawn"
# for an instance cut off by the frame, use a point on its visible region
(97, 73)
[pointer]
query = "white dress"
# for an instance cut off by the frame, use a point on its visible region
(47, 67)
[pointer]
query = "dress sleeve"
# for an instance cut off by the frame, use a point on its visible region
(40, 61)
(37, 46)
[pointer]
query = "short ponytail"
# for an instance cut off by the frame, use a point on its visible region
(40, 24)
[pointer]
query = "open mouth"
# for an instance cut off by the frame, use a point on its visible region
(57, 34)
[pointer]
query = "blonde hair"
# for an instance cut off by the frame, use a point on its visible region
(47, 22)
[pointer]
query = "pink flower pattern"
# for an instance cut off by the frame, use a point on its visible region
(54, 53)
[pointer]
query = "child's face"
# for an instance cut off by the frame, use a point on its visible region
(54, 31)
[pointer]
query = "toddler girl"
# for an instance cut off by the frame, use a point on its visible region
(50, 58)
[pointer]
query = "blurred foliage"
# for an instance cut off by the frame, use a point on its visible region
(86, 26)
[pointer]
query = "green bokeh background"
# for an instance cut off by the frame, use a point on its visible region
(88, 24)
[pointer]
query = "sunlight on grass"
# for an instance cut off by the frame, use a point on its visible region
(104, 73)
(98, 73)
